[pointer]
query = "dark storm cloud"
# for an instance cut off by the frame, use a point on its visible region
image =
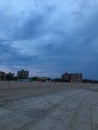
(55, 37)
(35, 25)
(11, 57)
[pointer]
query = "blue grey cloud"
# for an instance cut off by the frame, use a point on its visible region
(50, 37)
(34, 26)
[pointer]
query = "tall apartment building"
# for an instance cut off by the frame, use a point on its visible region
(66, 77)
(72, 77)
(9, 76)
(23, 74)
(2, 75)
(76, 77)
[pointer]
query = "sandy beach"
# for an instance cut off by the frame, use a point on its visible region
(48, 106)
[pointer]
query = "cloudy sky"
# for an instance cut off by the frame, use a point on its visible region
(49, 37)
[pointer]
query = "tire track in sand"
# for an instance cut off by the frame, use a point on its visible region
(40, 115)
(77, 112)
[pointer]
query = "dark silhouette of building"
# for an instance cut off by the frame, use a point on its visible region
(23, 74)
(72, 77)
(66, 77)
(2, 75)
(76, 77)
(9, 76)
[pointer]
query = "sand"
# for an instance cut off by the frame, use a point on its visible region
(48, 106)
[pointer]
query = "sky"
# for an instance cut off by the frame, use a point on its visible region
(49, 37)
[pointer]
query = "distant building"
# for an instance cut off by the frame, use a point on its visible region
(9, 76)
(2, 75)
(76, 77)
(23, 74)
(66, 77)
(72, 77)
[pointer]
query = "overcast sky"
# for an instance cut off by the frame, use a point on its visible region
(49, 37)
